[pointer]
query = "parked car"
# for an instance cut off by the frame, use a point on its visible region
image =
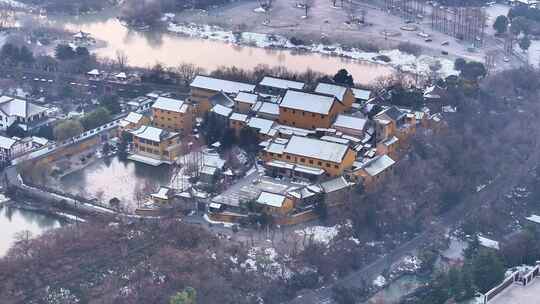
(445, 43)
(428, 40)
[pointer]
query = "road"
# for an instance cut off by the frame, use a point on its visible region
(470, 205)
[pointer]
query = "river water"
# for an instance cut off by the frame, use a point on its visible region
(13, 221)
(151, 47)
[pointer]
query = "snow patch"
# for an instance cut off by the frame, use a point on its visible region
(319, 234)
(380, 281)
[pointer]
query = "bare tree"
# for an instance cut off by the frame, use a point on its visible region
(187, 72)
(6, 14)
(307, 4)
(121, 59)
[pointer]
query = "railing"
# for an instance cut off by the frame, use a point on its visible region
(499, 288)
(515, 277)
(76, 139)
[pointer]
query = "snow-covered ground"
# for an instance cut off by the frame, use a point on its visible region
(405, 62)
(266, 260)
(319, 234)
(12, 3)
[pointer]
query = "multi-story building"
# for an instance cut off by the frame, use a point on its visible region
(155, 146)
(244, 101)
(237, 122)
(307, 110)
(133, 121)
(308, 157)
(19, 111)
(350, 125)
(204, 87)
(344, 95)
(172, 114)
(274, 204)
(371, 171)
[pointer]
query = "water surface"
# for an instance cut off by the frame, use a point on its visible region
(151, 47)
(106, 178)
(13, 221)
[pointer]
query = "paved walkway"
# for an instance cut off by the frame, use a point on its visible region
(518, 294)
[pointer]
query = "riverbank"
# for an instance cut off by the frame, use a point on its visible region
(401, 61)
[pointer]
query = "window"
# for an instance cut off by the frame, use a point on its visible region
(294, 111)
(311, 161)
(303, 160)
(322, 116)
(288, 157)
(284, 110)
(319, 163)
(336, 166)
(312, 114)
(328, 165)
(303, 113)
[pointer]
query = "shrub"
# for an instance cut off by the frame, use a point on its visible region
(410, 48)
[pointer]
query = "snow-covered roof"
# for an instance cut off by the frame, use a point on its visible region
(238, 117)
(153, 133)
(222, 110)
(163, 193)
(214, 205)
(331, 89)
(275, 147)
(335, 139)
(361, 94)
(40, 140)
(378, 164)
(263, 125)
(216, 84)
(308, 170)
(390, 141)
(308, 102)
(271, 199)
(266, 108)
(392, 113)
(133, 117)
(170, 104)
(279, 83)
(212, 160)
(208, 170)
(288, 130)
(335, 184)
(121, 75)
(246, 97)
(350, 122)
(489, 243)
(534, 218)
(6, 142)
(19, 107)
(94, 72)
(315, 148)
